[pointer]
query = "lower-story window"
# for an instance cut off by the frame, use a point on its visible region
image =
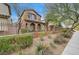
(0, 26)
(3, 26)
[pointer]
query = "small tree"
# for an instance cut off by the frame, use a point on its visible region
(19, 11)
(58, 13)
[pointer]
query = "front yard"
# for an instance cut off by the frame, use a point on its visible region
(33, 44)
(52, 44)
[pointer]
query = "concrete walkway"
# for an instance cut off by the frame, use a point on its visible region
(72, 47)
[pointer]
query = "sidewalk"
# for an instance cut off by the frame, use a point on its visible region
(72, 47)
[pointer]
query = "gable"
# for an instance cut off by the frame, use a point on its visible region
(27, 12)
(4, 9)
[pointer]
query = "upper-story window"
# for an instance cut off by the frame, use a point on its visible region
(4, 9)
(31, 16)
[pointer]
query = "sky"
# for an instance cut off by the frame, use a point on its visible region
(38, 7)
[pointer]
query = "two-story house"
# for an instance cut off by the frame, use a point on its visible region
(4, 18)
(31, 21)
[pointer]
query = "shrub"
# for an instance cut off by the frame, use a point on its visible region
(53, 45)
(42, 34)
(66, 34)
(5, 45)
(43, 50)
(42, 39)
(60, 40)
(23, 41)
(9, 44)
(23, 30)
(49, 36)
(64, 30)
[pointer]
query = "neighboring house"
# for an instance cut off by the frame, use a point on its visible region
(67, 23)
(4, 18)
(31, 21)
(50, 26)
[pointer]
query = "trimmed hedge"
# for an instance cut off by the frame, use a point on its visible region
(9, 44)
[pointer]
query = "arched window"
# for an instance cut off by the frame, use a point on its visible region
(31, 16)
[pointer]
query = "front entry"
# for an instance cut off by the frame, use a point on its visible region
(32, 27)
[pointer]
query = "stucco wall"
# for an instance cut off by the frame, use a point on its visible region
(4, 9)
(25, 15)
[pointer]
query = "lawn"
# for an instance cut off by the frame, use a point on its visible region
(10, 44)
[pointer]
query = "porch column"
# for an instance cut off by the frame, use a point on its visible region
(28, 27)
(42, 27)
(36, 33)
(36, 27)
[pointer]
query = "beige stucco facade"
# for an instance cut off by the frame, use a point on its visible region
(4, 18)
(29, 20)
(31, 24)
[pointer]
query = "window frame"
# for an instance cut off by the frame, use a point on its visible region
(31, 16)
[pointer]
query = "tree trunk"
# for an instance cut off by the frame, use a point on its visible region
(72, 28)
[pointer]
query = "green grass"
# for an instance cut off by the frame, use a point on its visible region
(9, 44)
(77, 28)
(23, 30)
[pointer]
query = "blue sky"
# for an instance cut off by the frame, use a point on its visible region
(38, 7)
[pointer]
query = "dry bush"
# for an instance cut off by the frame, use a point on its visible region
(43, 49)
(53, 45)
(60, 40)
